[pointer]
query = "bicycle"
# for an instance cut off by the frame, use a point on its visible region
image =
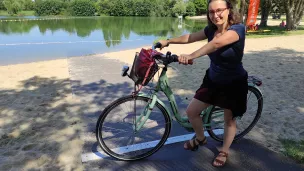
(150, 108)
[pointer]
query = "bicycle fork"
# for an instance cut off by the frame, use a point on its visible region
(144, 115)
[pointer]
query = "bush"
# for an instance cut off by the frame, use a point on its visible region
(49, 7)
(190, 10)
(200, 6)
(29, 5)
(103, 6)
(143, 8)
(82, 8)
(179, 8)
(135, 7)
(2, 7)
(12, 6)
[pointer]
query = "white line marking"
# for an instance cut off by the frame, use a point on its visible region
(100, 155)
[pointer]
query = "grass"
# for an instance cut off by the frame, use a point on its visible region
(22, 13)
(27, 13)
(274, 31)
(3, 13)
(294, 149)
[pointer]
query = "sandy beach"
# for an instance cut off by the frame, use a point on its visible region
(36, 128)
(39, 130)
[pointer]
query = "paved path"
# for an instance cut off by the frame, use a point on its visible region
(96, 82)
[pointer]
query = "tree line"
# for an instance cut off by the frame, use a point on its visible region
(158, 8)
(293, 9)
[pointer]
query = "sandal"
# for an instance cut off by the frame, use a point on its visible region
(221, 163)
(195, 146)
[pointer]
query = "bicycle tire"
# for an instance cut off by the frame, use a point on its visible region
(111, 107)
(259, 96)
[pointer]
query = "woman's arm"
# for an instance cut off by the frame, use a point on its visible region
(188, 38)
(227, 38)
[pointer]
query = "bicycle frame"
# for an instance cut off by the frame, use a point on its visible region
(163, 85)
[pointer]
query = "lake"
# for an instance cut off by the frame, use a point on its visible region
(35, 38)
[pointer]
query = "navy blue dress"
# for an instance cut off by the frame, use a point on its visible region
(225, 81)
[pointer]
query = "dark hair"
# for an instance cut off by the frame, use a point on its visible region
(233, 17)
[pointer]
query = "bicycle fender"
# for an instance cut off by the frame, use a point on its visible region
(256, 87)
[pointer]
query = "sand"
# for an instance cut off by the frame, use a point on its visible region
(38, 129)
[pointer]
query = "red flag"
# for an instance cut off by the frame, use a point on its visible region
(253, 12)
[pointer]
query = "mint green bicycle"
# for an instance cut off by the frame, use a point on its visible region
(138, 125)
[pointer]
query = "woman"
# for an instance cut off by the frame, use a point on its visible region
(225, 82)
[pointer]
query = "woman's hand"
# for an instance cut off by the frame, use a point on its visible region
(164, 43)
(185, 59)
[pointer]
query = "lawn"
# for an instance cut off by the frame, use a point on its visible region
(274, 31)
(22, 13)
(294, 149)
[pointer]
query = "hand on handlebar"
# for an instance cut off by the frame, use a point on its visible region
(184, 59)
(163, 43)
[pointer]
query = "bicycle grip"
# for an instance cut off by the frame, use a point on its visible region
(157, 45)
(175, 59)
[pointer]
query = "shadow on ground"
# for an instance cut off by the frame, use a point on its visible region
(42, 126)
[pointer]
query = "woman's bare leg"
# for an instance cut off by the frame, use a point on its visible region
(229, 134)
(193, 112)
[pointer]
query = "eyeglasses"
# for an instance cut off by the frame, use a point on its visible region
(218, 11)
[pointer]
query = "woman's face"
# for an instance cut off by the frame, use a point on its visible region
(218, 12)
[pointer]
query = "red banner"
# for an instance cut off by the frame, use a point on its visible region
(252, 12)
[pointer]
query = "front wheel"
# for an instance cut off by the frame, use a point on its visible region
(115, 129)
(245, 124)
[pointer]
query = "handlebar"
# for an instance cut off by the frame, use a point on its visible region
(168, 58)
(157, 45)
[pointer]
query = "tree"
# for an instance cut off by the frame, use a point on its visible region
(190, 10)
(82, 8)
(200, 6)
(179, 8)
(29, 5)
(13, 6)
(294, 13)
(49, 7)
(234, 4)
(243, 8)
(278, 6)
(2, 7)
(240, 6)
(266, 7)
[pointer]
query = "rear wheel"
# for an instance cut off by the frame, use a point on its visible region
(115, 129)
(245, 124)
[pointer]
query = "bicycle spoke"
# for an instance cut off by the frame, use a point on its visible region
(118, 129)
(243, 124)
